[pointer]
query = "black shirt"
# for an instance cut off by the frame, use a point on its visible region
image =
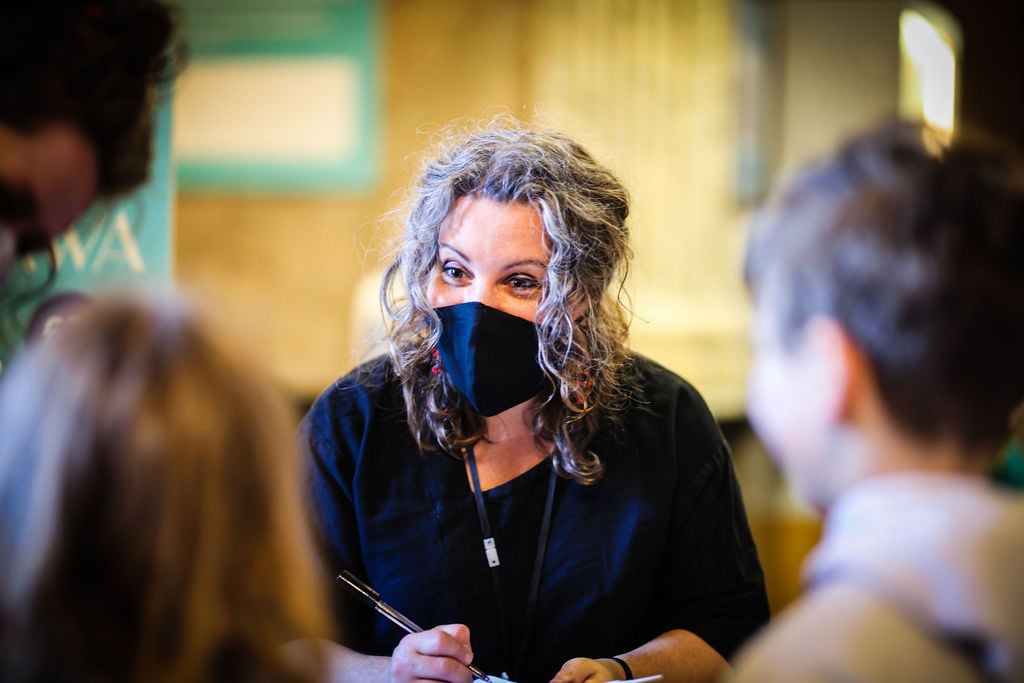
(661, 542)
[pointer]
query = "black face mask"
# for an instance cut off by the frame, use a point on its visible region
(490, 356)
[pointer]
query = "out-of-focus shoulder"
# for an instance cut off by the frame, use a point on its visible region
(366, 389)
(650, 382)
(373, 376)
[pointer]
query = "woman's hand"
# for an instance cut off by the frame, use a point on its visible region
(583, 670)
(440, 654)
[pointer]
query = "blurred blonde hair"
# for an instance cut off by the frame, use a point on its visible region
(152, 526)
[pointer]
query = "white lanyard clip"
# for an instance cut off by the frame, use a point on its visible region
(492, 552)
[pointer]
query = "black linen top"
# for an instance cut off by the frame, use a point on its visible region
(661, 542)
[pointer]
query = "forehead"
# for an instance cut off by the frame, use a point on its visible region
(497, 226)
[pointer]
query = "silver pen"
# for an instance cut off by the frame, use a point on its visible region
(372, 598)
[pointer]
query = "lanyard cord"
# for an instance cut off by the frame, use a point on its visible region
(491, 550)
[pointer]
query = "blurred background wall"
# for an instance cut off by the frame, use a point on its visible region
(699, 106)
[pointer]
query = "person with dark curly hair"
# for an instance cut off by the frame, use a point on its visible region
(79, 83)
(510, 469)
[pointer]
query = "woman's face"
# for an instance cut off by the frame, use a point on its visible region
(492, 253)
(47, 178)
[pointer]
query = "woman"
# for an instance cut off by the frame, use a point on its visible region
(510, 470)
(151, 526)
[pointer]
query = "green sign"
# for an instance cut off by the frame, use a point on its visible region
(279, 95)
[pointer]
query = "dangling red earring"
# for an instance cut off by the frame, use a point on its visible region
(583, 389)
(436, 367)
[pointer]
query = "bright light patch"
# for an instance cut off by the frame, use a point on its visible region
(930, 57)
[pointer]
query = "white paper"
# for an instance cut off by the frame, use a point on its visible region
(646, 679)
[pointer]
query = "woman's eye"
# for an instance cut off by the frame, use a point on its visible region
(453, 272)
(523, 284)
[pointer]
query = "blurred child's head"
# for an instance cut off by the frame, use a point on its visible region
(151, 526)
(908, 257)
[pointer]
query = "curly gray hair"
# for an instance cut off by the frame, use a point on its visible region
(582, 316)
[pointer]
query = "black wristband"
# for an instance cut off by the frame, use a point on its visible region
(625, 667)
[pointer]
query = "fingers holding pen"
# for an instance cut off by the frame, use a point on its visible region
(438, 654)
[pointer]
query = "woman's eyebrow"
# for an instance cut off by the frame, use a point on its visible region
(445, 245)
(507, 266)
(526, 262)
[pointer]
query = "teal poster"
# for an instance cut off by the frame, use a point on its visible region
(280, 96)
(121, 244)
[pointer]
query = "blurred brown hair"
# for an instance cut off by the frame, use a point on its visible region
(152, 526)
